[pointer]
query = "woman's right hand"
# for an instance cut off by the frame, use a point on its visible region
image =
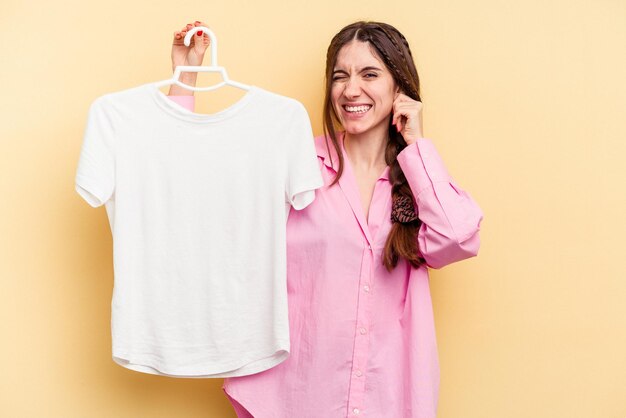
(192, 54)
(188, 55)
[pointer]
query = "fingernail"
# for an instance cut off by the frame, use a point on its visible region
(199, 33)
(197, 21)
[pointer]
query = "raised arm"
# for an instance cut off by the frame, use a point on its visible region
(191, 55)
(450, 217)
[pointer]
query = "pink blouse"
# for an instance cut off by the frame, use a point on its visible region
(362, 339)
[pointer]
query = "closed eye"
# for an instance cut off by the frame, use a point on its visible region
(339, 75)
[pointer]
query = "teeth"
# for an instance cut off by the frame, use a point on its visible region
(357, 109)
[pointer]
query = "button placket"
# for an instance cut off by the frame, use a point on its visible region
(356, 395)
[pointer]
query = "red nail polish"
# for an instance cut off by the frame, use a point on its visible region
(199, 33)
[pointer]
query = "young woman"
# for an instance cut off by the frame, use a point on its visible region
(361, 322)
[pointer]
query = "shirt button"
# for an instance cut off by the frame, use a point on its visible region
(369, 247)
(362, 330)
(356, 411)
(366, 288)
(359, 373)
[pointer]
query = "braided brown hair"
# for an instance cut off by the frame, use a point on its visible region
(393, 49)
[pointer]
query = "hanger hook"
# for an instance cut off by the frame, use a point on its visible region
(213, 38)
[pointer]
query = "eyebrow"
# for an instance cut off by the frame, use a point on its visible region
(368, 68)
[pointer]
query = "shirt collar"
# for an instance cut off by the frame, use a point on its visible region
(326, 153)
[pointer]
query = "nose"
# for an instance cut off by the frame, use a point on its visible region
(353, 88)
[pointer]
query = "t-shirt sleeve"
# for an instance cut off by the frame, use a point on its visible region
(95, 175)
(303, 172)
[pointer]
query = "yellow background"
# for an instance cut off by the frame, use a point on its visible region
(525, 100)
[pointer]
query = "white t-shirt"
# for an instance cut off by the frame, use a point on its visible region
(198, 206)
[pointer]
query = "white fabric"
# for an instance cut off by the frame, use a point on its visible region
(197, 208)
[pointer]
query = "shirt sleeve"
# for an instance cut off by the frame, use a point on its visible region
(95, 175)
(450, 217)
(303, 172)
(188, 102)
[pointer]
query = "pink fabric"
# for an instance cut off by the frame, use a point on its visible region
(188, 102)
(362, 339)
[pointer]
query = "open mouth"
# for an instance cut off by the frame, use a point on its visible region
(357, 109)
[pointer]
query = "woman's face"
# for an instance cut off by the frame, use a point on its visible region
(362, 90)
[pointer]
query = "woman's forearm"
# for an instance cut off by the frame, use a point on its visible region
(186, 78)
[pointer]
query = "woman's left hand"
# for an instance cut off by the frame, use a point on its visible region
(407, 116)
